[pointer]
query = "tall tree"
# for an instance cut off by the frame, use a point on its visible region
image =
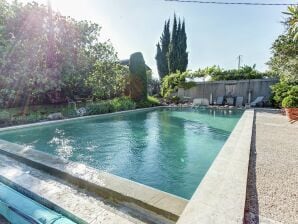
(162, 49)
(183, 54)
(172, 52)
(159, 62)
(173, 48)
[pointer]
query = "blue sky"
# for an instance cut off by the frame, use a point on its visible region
(217, 34)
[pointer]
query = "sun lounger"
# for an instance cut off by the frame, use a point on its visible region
(258, 100)
(219, 100)
(200, 102)
(239, 101)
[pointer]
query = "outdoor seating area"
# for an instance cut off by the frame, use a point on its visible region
(222, 101)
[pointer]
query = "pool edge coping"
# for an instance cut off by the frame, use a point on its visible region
(49, 122)
(220, 197)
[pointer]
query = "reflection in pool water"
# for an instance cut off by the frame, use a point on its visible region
(169, 149)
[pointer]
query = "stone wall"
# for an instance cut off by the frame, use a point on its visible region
(233, 88)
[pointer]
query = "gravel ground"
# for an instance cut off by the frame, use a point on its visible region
(272, 195)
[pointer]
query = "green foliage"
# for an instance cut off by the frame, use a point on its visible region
(182, 43)
(290, 102)
(292, 21)
(149, 102)
(153, 100)
(282, 90)
(99, 108)
(138, 77)
(294, 91)
(172, 52)
(177, 55)
(172, 82)
(285, 49)
(48, 53)
(245, 72)
(284, 60)
(29, 114)
(108, 80)
(124, 103)
(117, 104)
(162, 51)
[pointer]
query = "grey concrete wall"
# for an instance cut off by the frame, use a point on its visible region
(257, 87)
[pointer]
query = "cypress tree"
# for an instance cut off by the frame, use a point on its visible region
(138, 77)
(172, 55)
(162, 51)
(173, 48)
(159, 61)
(183, 54)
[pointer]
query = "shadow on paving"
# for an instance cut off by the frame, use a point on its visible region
(252, 206)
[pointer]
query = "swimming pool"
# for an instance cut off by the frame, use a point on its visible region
(169, 149)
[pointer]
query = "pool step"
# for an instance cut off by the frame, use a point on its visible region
(65, 198)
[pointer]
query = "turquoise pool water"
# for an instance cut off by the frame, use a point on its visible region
(168, 149)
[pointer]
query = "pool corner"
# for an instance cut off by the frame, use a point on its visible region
(220, 197)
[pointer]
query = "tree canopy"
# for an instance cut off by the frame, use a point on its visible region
(284, 60)
(42, 51)
(245, 72)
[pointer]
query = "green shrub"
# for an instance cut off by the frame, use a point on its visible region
(290, 102)
(153, 100)
(117, 104)
(172, 82)
(99, 108)
(138, 77)
(293, 91)
(150, 102)
(124, 103)
(281, 90)
(108, 80)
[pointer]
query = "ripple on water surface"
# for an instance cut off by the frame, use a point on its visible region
(169, 149)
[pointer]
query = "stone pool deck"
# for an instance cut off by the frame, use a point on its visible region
(272, 195)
